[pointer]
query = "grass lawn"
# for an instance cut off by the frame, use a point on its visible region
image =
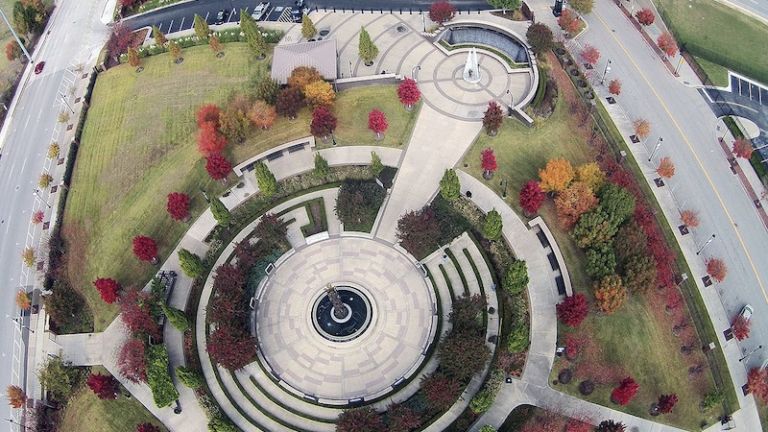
(716, 73)
(720, 34)
(139, 144)
(646, 350)
(87, 413)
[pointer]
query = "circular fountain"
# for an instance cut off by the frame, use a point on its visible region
(341, 313)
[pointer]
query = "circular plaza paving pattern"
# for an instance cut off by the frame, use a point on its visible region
(401, 324)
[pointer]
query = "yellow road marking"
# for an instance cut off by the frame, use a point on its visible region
(696, 156)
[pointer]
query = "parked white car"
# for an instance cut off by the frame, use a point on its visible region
(260, 11)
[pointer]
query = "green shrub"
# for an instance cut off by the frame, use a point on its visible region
(450, 188)
(189, 377)
(358, 202)
(518, 339)
(516, 277)
(487, 428)
(617, 203)
(321, 166)
(594, 228)
(158, 379)
(190, 263)
(492, 225)
(220, 212)
(177, 318)
(221, 424)
(376, 166)
(59, 378)
(265, 179)
(601, 261)
(487, 395)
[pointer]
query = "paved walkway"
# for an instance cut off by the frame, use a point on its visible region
(438, 142)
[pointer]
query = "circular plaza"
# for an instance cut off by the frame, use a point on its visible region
(378, 340)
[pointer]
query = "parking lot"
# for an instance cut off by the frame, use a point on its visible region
(749, 89)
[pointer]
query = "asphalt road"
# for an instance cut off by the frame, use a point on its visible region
(181, 16)
(703, 180)
(29, 132)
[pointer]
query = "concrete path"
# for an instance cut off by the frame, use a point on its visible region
(438, 142)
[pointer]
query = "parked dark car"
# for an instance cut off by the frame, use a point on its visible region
(39, 67)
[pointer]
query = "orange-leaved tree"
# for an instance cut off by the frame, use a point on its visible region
(574, 201)
(556, 175)
(717, 269)
(743, 148)
(16, 396)
(666, 168)
(642, 128)
(690, 218)
(610, 294)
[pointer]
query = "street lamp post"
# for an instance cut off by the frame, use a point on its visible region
(605, 71)
(20, 323)
(64, 99)
(15, 36)
(413, 71)
(698, 252)
(655, 149)
(746, 356)
(36, 192)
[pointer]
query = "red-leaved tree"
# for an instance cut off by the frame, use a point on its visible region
(570, 22)
(757, 383)
(107, 288)
(37, 217)
(323, 122)
(590, 55)
(577, 425)
(667, 44)
(573, 310)
(131, 361)
(493, 118)
(12, 51)
(402, 418)
(360, 419)
(145, 248)
(488, 162)
(210, 140)
(208, 113)
(178, 206)
(147, 427)
(136, 313)
(645, 16)
(377, 122)
(441, 391)
(666, 403)
(441, 11)
(740, 327)
(231, 348)
(626, 390)
(217, 166)
(743, 148)
(614, 87)
(409, 93)
(104, 386)
(531, 197)
(717, 269)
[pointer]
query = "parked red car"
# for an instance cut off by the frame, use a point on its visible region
(39, 67)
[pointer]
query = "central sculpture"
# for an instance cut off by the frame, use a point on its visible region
(472, 68)
(341, 313)
(340, 310)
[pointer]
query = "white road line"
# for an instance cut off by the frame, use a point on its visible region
(231, 14)
(181, 26)
(206, 16)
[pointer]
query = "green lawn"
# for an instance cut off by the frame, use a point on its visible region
(720, 34)
(139, 144)
(716, 73)
(87, 413)
(646, 350)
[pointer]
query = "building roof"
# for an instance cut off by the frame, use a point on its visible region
(319, 54)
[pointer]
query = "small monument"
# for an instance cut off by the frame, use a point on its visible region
(471, 68)
(339, 309)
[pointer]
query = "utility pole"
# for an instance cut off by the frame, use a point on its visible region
(698, 252)
(15, 36)
(655, 149)
(605, 72)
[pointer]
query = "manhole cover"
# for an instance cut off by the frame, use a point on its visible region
(401, 29)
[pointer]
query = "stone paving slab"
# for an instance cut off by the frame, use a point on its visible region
(399, 331)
